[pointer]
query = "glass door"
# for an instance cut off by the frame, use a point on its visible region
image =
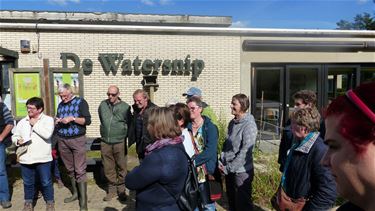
(300, 77)
(340, 79)
(268, 91)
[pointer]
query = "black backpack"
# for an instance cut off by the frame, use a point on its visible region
(190, 197)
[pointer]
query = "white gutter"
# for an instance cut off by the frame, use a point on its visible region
(189, 30)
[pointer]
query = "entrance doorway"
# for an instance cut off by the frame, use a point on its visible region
(273, 87)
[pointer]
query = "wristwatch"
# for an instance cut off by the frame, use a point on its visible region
(74, 119)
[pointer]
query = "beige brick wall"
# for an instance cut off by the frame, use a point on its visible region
(219, 80)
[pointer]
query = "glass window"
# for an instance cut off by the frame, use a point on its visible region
(367, 74)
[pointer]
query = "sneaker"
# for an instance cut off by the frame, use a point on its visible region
(6, 204)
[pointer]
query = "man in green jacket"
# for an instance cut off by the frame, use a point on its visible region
(115, 117)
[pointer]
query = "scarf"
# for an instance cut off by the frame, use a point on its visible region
(162, 143)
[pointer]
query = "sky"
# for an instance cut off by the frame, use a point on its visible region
(288, 14)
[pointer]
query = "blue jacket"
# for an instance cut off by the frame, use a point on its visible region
(160, 175)
(209, 155)
(306, 177)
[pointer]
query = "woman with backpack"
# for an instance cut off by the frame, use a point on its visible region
(161, 176)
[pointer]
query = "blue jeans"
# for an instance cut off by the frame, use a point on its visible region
(4, 187)
(45, 178)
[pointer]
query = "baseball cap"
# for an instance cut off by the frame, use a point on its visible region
(193, 91)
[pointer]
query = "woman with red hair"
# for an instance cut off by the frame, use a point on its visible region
(350, 135)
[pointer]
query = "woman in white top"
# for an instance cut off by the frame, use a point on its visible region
(182, 114)
(34, 133)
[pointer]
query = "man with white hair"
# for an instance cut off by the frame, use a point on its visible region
(71, 120)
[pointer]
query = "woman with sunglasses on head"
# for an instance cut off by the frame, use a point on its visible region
(205, 135)
(160, 177)
(350, 136)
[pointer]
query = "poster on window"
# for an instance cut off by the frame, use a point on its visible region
(26, 85)
(64, 78)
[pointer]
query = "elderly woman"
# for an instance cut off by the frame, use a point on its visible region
(350, 137)
(160, 178)
(237, 155)
(304, 179)
(205, 135)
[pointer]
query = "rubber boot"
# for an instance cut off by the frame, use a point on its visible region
(74, 192)
(82, 189)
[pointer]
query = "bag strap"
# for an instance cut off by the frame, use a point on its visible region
(191, 163)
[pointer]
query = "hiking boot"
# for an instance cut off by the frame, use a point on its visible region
(60, 183)
(6, 204)
(50, 206)
(82, 189)
(74, 192)
(28, 206)
(112, 192)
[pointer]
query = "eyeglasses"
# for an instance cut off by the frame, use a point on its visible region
(193, 108)
(112, 94)
(31, 108)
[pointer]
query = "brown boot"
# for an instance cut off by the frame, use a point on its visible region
(112, 192)
(50, 206)
(28, 206)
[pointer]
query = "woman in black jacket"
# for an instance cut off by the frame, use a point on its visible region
(304, 178)
(160, 178)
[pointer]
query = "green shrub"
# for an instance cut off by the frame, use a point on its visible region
(222, 125)
(266, 177)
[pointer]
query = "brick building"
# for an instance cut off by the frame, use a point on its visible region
(182, 51)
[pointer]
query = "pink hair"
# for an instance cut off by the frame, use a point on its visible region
(354, 124)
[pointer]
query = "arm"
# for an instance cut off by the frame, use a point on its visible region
(17, 133)
(9, 121)
(146, 173)
(85, 116)
(323, 187)
(210, 149)
(44, 127)
(248, 140)
(100, 112)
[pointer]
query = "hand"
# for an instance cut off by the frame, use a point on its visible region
(57, 120)
(221, 168)
(67, 119)
(20, 141)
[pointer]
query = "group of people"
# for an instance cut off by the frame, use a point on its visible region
(314, 170)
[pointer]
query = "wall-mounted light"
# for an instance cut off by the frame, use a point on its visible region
(25, 46)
